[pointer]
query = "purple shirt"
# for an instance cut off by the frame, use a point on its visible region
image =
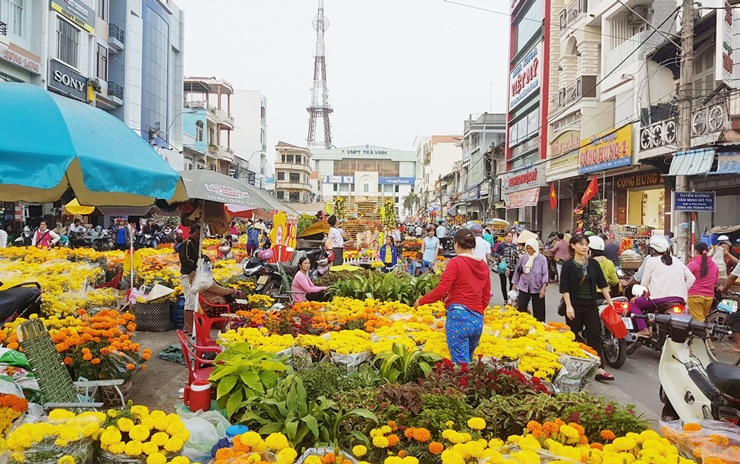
(537, 277)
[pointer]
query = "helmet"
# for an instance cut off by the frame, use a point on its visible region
(476, 229)
(266, 255)
(723, 238)
(430, 227)
(26, 229)
(659, 244)
(330, 256)
(588, 233)
(596, 243)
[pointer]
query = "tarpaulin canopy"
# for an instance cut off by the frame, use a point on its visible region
(54, 143)
(74, 208)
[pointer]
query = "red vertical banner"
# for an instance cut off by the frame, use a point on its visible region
(591, 191)
(553, 196)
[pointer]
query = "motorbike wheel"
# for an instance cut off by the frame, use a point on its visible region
(668, 413)
(719, 345)
(272, 289)
(614, 350)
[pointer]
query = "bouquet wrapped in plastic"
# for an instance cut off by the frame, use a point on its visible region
(706, 441)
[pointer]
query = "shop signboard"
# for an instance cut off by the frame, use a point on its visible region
(20, 57)
(523, 179)
(472, 194)
(396, 180)
(564, 143)
(77, 12)
(607, 150)
(639, 179)
(339, 180)
(525, 79)
(723, 45)
(693, 201)
(67, 81)
(522, 198)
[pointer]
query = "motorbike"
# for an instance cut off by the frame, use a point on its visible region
(21, 300)
(614, 346)
(276, 279)
(694, 385)
(25, 239)
(657, 333)
(102, 241)
(144, 241)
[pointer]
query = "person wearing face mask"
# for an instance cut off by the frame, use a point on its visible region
(530, 279)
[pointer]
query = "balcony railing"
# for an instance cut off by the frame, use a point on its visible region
(116, 32)
(705, 120)
(3, 28)
(572, 12)
(115, 90)
(622, 55)
(583, 87)
(221, 153)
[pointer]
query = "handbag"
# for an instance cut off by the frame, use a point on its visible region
(502, 267)
(561, 307)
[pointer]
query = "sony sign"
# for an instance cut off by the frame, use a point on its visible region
(67, 81)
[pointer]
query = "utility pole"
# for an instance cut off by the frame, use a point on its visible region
(686, 94)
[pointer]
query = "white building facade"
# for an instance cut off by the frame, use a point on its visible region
(249, 138)
(366, 174)
(435, 157)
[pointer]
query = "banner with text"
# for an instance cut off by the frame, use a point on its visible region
(607, 150)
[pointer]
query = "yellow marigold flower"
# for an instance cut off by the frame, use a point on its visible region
(410, 460)
(156, 458)
(66, 459)
(359, 451)
(386, 429)
(476, 423)
(149, 448)
(139, 433)
(312, 460)
(175, 426)
(133, 448)
(251, 439)
(452, 457)
(393, 460)
(174, 445)
(179, 460)
(288, 454)
(380, 442)
(125, 424)
(117, 448)
(61, 414)
(277, 441)
(160, 438)
(623, 444)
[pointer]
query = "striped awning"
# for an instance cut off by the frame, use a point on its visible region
(692, 162)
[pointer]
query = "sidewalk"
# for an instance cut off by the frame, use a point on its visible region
(158, 386)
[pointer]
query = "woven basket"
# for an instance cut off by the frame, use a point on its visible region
(110, 397)
(153, 317)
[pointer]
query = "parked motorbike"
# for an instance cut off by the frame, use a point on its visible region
(21, 300)
(102, 240)
(144, 241)
(614, 345)
(693, 386)
(275, 279)
(657, 334)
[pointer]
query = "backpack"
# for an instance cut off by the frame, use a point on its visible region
(502, 267)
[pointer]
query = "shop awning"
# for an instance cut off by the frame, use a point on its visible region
(728, 163)
(692, 162)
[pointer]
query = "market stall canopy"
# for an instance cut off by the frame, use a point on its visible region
(58, 143)
(74, 208)
(204, 184)
(317, 228)
(500, 223)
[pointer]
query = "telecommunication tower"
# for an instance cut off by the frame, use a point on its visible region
(319, 107)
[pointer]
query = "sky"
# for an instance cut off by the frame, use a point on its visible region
(395, 68)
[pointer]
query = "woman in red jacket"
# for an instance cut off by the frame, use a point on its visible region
(466, 283)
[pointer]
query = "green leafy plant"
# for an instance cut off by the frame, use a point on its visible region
(304, 222)
(323, 379)
(508, 415)
(241, 373)
(393, 286)
(285, 408)
(365, 376)
(439, 408)
(403, 365)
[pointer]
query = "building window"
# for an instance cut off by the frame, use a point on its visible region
(263, 112)
(366, 188)
(295, 196)
(290, 159)
(396, 187)
(295, 178)
(102, 63)
(280, 175)
(11, 12)
(262, 136)
(103, 10)
(297, 159)
(211, 136)
(529, 24)
(336, 187)
(68, 42)
(280, 195)
(199, 131)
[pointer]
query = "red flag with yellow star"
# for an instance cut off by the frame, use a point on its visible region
(591, 191)
(553, 197)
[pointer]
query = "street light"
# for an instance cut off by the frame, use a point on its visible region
(154, 132)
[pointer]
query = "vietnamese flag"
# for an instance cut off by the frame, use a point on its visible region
(591, 191)
(553, 197)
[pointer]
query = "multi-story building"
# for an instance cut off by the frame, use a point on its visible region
(207, 124)
(249, 140)
(22, 41)
(529, 56)
(435, 157)
(366, 176)
(293, 174)
(481, 132)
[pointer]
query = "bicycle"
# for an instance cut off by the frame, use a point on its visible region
(720, 344)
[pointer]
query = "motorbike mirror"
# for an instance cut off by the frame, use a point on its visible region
(639, 290)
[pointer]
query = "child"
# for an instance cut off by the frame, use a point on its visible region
(415, 268)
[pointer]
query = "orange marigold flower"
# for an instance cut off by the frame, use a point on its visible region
(225, 453)
(329, 458)
(393, 440)
(607, 435)
(391, 424)
(409, 432)
(533, 425)
(691, 427)
(131, 327)
(95, 361)
(67, 361)
(597, 446)
(583, 440)
(130, 366)
(422, 435)
(436, 447)
(402, 454)
(87, 357)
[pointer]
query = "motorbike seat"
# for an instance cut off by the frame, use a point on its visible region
(290, 269)
(16, 299)
(725, 377)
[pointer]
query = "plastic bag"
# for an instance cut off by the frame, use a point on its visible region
(203, 436)
(703, 439)
(350, 361)
(614, 322)
(296, 352)
(203, 277)
(14, 358)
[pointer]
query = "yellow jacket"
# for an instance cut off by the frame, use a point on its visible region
(610, 272)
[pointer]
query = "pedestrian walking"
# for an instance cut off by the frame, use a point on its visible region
(530, 279)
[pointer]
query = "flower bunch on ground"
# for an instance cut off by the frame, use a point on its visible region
(63, 429)
(712, 443)
(250, 446)
(11, 408)
(135, 431)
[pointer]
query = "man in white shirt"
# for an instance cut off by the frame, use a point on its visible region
(442, 235)
(482, 249)
(336, 237)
